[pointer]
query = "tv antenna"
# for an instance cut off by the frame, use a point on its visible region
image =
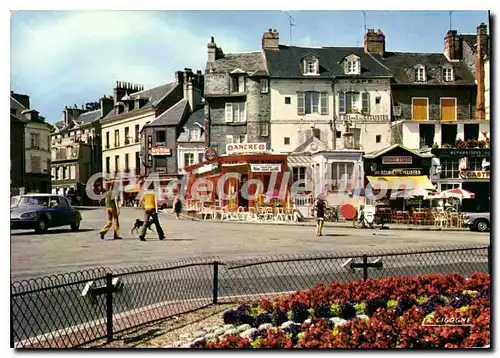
(450, 18)
(292, 24)
(365, 17)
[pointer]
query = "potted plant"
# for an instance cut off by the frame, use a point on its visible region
(435, 146)
(460, 143)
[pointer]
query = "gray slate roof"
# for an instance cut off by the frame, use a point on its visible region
(197, 118)
(252, 63)
(88, 117)
(286, 62)
(155, 95)
(19, 109)
(399, 62)
(171, 116)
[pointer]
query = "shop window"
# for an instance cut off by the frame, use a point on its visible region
(449, 186)
(475, 164)
(339, 172)
(161, 161)
(449, 169)
(471, 131)
(448, 134)
(427, 132)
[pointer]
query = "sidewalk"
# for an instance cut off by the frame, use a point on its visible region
(345, 224)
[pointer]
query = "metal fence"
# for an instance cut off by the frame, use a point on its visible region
(74, 309)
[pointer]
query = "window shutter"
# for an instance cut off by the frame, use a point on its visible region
(300, 103)
(324, 102)
(229, 112)
(341, 102)
(315, 101)
(365, 105)
(243, 112)
(236, 112)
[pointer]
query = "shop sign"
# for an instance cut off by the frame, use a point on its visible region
(210, 153)
(160, 151)
(397, 160)
(265, 168)
(399, 172)
(474, 174)
(206, 168)
(461, 153)
(238, 148)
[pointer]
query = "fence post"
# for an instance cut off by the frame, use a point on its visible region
(365, 267)
(215, 290)
(109, 306)
(11, 319)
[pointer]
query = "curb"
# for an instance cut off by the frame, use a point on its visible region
(329, 225)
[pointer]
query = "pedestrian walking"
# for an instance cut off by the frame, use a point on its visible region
(177, 206)
(151, 212)
(112, 214)
(320, 215)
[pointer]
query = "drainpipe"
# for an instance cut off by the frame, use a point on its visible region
(334, 128)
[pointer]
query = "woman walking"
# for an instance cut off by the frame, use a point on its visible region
(320, 215)
(177, 207)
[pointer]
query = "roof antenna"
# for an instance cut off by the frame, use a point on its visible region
(450, 19)
(365, 17)
(292, 24)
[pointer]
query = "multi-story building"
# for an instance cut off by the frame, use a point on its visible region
(134, 107)
(237, 100)
(37, 177)
(159, 139)
(191, 141)
(17, 148)
(328, 106)
(76, 148)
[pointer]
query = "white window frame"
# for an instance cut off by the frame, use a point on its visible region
(230, 112)
(312, 104)
(428, 109)
(420, 75)
(352, 67)
(448, 74)
(264, 129)
(356, 101)
(311, 66)
(186, 161)
(264, 85)
(441, 105)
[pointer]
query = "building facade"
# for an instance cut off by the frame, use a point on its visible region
(76, 148)
(17, 153)
(191, 141)
(159, 144)
(237, 100)
(134, 107)
(37, 177)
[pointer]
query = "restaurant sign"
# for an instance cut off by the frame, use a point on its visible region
(474, 174)
(397, 172)
(206, 168)
(397, 160)
(461, 153)
(240, 148)
(160, 151)
(265, 168)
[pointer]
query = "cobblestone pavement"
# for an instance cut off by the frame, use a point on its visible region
(61, 250)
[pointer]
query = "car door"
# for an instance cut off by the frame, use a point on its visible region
(65, 212)
(54, 211)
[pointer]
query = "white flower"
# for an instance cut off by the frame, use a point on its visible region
(265, 326)
(243, 327)
(228, 326)
(362, 316)
(287, 324)
(248, 333)
(337, 320)
(231, 332)
(219, 332)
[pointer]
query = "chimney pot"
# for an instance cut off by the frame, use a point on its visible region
(270, 30)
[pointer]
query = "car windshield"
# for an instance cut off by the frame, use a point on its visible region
(34, 201)
(14, 201)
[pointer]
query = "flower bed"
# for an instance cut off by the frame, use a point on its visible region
(428, 311)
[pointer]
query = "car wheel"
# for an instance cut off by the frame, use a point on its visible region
(75, 226)
(482, 225)
(42, 226)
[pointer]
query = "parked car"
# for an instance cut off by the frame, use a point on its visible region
(478, 221)
(40, 212)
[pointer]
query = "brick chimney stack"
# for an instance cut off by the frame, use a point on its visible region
(374, 42)
(481, 51)
(270, 40)
(453, 46)
(106, 105)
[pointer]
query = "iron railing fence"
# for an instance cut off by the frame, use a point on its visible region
(75, 309)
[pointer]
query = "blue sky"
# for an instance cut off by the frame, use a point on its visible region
(73, 57)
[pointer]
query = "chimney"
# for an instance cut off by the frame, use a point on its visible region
(119, 91)
(453, 46)
(106, 105)
(21, 98)
(481, 52)
(374, 42)
(270, 40)
(31, 114)
(212, 50)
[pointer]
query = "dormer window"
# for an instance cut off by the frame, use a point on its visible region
(420, 74)
(352, 65)
(448, 74)
(311, 66)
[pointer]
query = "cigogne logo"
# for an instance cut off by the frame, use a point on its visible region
(432, 321)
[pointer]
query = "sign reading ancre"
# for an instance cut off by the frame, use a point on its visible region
(265, 168)
(234, 148)
(397, 160)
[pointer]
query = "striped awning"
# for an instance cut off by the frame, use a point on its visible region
(299, 161)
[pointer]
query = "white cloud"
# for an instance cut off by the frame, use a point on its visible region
(93, 49)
